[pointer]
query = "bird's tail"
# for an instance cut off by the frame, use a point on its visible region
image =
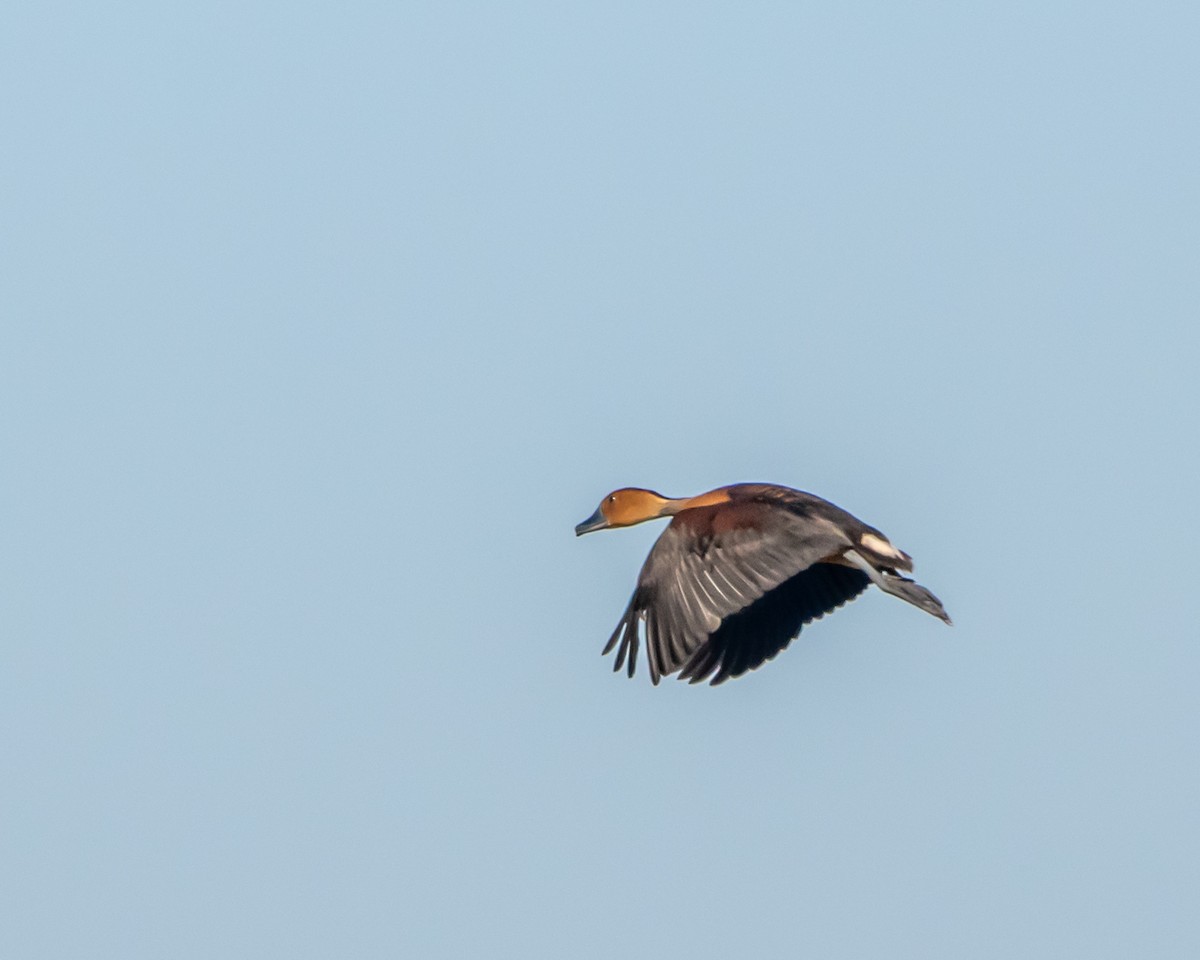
(915, 594)
(890, 582)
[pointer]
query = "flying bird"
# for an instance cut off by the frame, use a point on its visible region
(738, 571)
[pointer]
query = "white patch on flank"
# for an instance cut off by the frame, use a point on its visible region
(879, 545)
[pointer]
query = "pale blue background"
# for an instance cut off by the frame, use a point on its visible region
(324, 324)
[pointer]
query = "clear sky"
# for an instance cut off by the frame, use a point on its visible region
(323, 324)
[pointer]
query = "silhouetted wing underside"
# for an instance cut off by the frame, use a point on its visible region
(750, 638)
(745, 639)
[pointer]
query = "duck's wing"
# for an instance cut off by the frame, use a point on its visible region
(707, 592)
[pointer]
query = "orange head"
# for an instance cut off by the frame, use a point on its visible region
(625, 507)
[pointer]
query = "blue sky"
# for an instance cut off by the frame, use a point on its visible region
(323, 326)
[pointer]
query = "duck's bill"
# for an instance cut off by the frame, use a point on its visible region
(595, 522)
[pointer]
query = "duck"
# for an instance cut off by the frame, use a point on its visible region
(739, 571)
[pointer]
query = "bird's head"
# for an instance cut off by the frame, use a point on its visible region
(625, 507)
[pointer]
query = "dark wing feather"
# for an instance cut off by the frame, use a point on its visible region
(751, 637)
